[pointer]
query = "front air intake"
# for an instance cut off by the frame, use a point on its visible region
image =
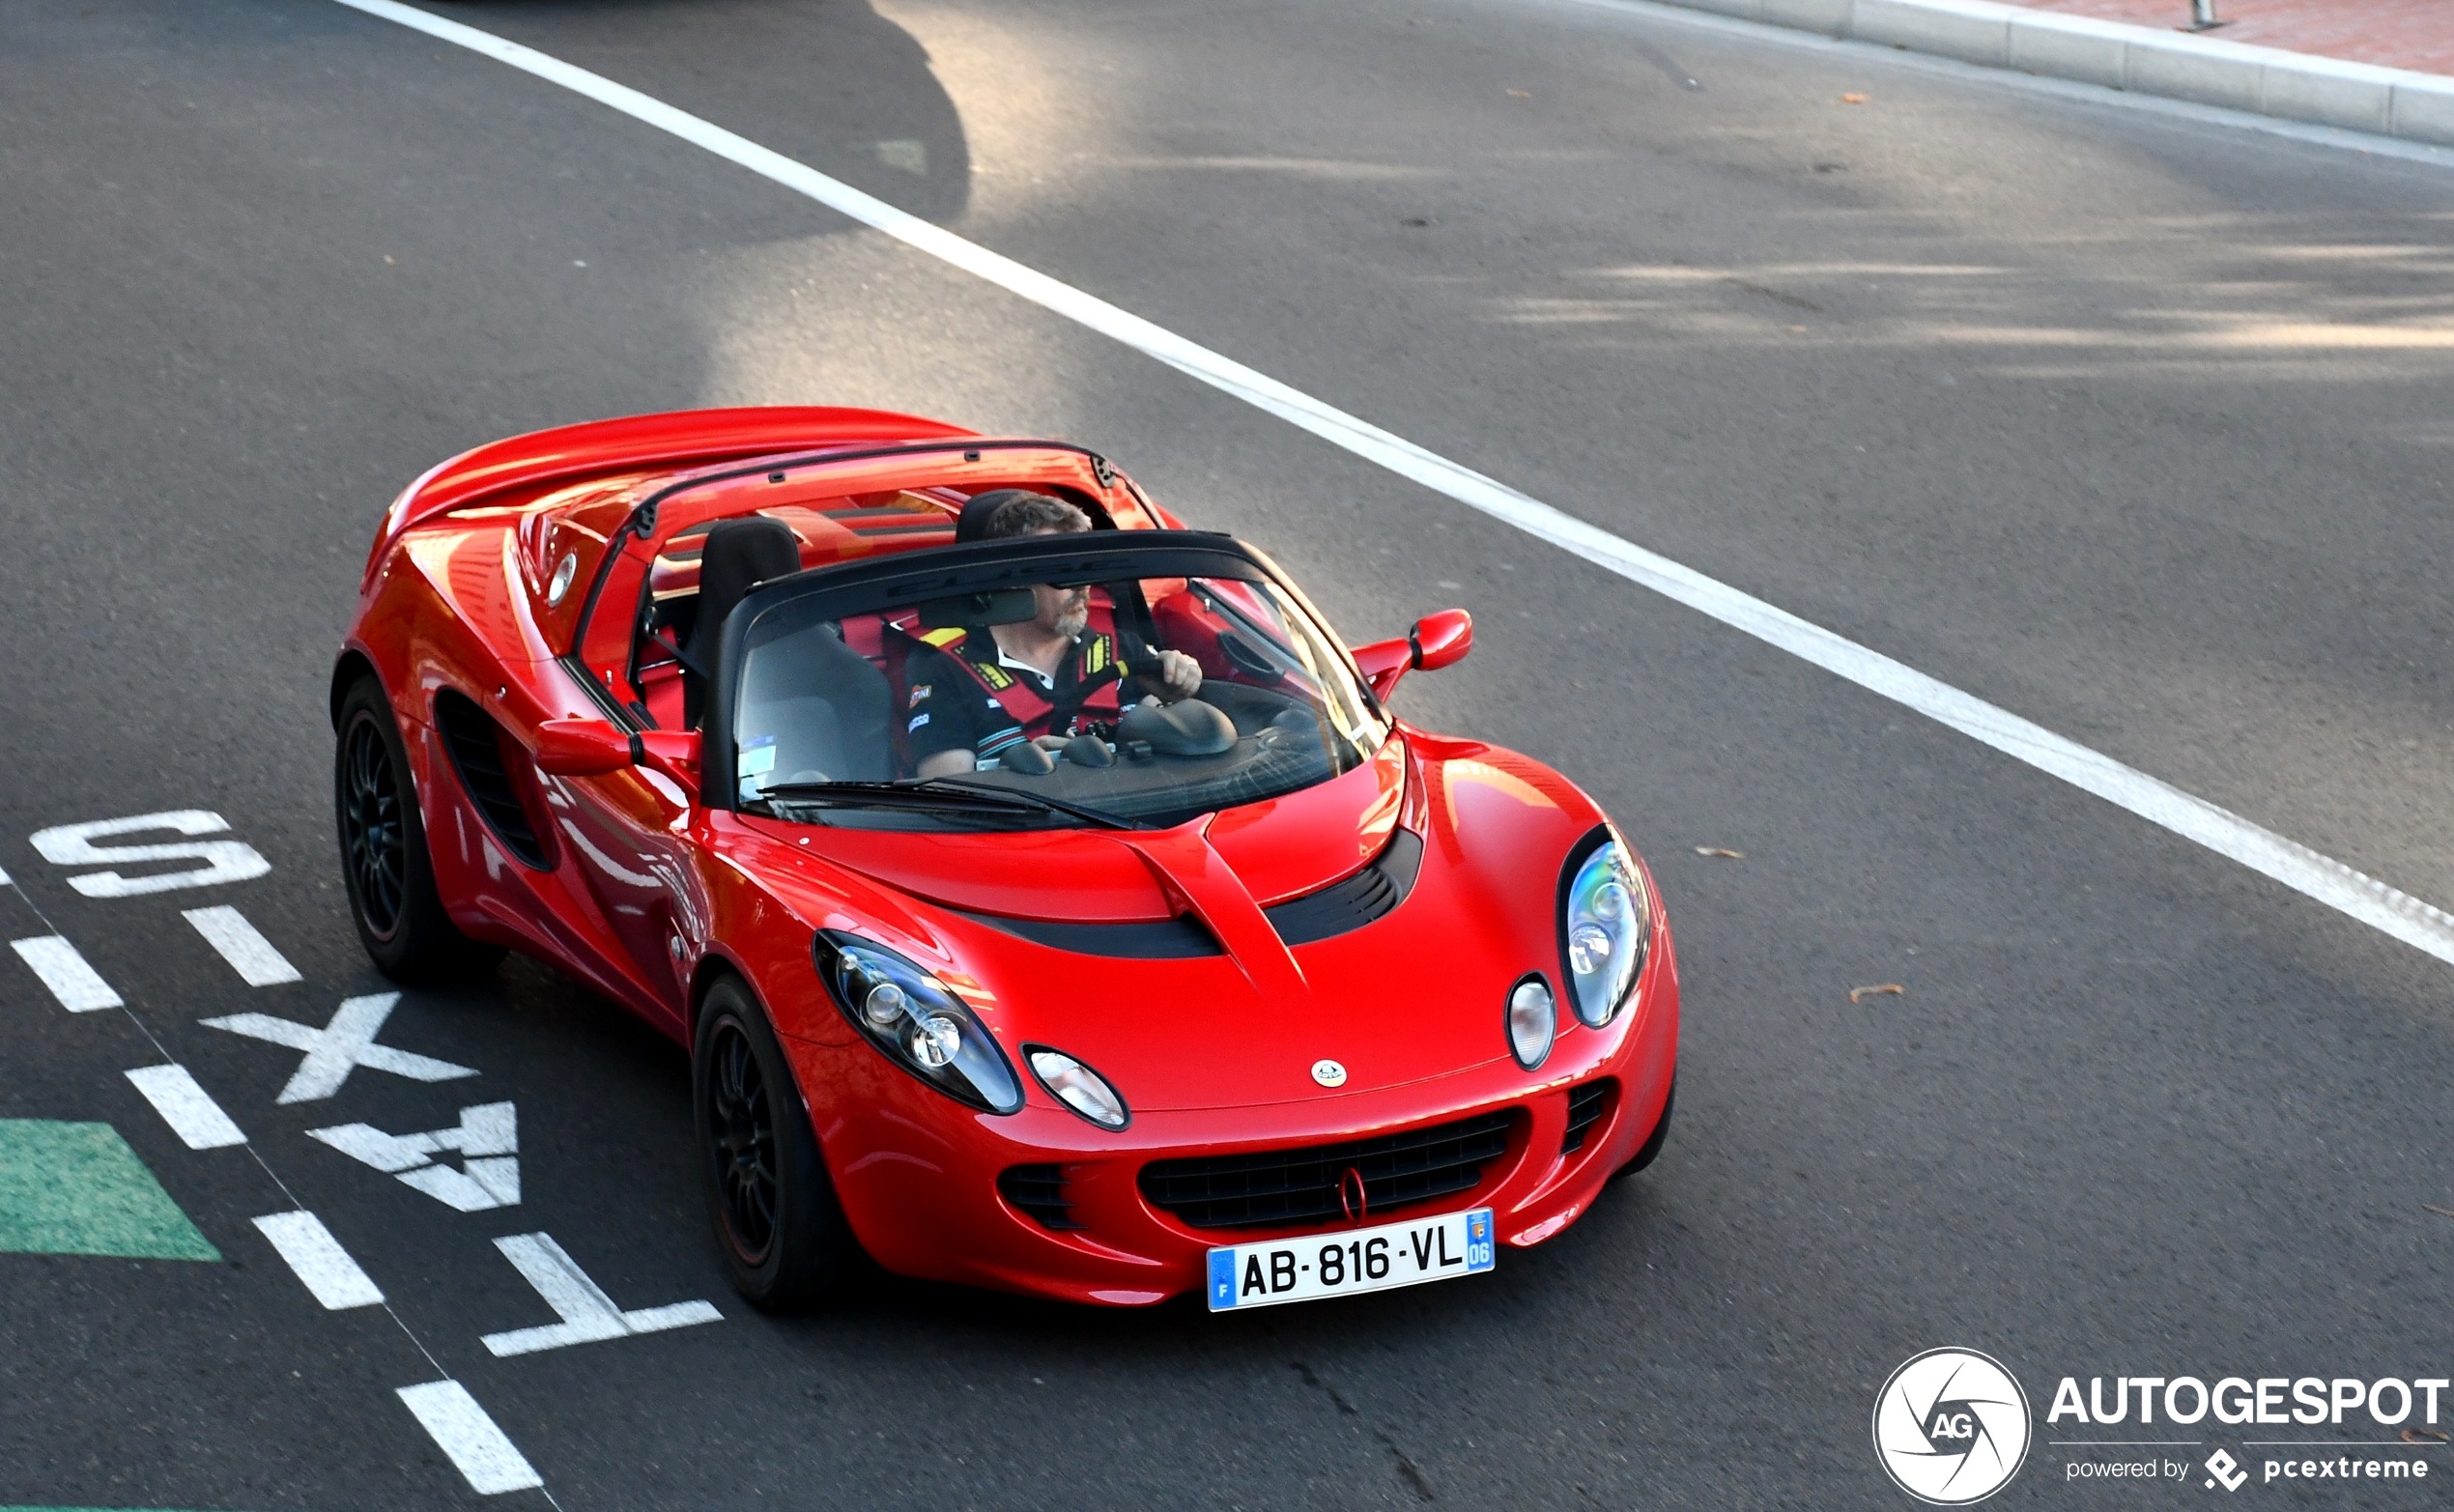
(1278, 1188)
(1039, 1191)
(1588, 1105)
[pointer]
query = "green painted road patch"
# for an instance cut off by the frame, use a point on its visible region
(77, 1190)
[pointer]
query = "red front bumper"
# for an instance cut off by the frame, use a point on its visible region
(918, 1177)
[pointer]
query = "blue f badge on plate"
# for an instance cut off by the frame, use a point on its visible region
(1222, 1279)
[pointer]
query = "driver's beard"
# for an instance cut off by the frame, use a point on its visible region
(1073, 621)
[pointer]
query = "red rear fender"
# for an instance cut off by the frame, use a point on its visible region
(684, 439)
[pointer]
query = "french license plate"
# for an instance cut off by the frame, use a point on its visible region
(1354, 1260)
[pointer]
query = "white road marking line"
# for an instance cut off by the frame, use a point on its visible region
(224, 859)
(477, 1448)
(2321, 877)
(78, 987)
(487, 1140)
(188, 1108)
(249, 954)
(588, 1315)
(319, 1261)
(340, 1047)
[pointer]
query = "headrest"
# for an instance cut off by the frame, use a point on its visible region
(972, 524)
(738, 554)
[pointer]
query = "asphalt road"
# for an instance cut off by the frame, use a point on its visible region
(2136, 426)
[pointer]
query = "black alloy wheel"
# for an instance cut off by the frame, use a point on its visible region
(742, 1129)
(400, 918)
(783, 1237)
(372, 845)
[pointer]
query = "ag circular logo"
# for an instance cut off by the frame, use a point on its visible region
(1328, 1073)
(1951, 1427)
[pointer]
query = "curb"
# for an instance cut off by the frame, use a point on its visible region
(2357, 96)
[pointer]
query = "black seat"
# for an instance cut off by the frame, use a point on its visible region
(827, 712)
(738, 556)
(972, 524)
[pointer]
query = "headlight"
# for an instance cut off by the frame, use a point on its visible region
(1077, 1085)
(1606, 924)
(917, 1022)
(1533, 1019)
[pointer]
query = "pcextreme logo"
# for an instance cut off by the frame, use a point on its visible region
(1951, 1427)
(2222, 1467)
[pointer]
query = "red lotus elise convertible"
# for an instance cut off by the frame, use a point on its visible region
(1048, 900)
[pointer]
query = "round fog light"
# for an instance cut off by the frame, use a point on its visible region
(1079, 1087)
(1533, 1018)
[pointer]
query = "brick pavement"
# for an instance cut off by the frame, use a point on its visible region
(2402, 33)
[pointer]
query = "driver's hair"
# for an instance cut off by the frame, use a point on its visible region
(1025, 514)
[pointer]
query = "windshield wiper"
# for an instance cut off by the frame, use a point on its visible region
(944, 792)
(1080, 811)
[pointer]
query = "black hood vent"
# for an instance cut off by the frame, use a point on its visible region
(1345, 906)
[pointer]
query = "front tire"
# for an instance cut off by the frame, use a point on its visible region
(400, 917)
(783, 1236)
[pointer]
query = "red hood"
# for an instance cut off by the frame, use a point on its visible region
(1417, 995)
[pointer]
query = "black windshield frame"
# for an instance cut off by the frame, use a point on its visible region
(783, 605)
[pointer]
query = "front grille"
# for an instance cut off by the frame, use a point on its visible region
(1275, 1188)
(1586, 1105)
(476, 743)
(1040, 1191)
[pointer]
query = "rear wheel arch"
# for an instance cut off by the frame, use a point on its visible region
(353, 667)
(388, 869)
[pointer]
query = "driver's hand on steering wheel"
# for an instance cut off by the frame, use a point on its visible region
(1180, 674)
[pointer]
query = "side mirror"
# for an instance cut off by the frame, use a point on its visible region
(581, 748)
(1442, 639)
(1382, 663)
(1437, 641)
(592, 748)
(673, 752)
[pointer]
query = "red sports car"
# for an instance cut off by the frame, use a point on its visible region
(1048, 900)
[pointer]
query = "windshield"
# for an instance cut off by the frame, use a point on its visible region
(1050, 682)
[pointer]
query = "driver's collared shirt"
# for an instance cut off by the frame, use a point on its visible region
(945, 708)
(1047, 680)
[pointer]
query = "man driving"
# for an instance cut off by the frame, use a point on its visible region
(972, 695)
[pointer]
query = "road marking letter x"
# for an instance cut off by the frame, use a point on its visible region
(340, 1047)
